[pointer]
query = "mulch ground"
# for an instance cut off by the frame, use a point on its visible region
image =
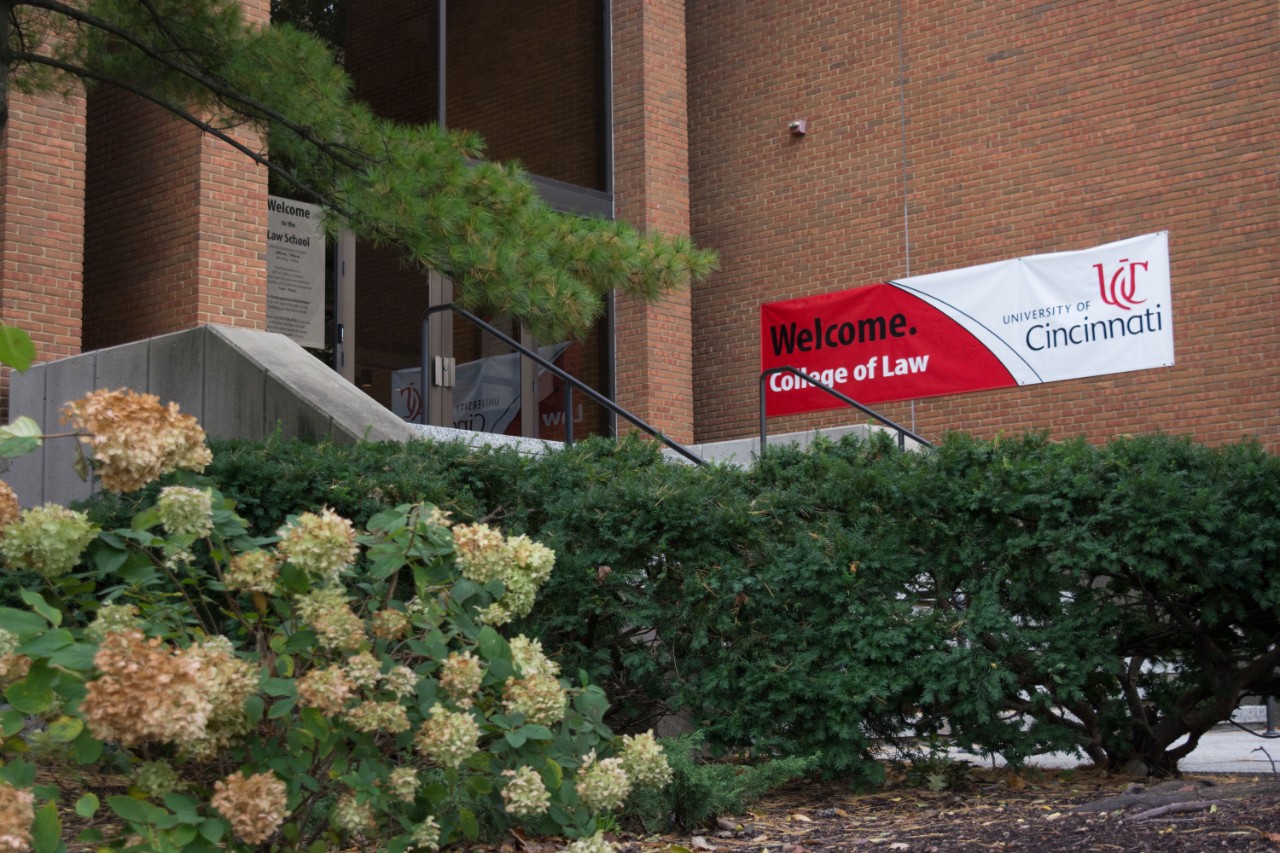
(1039, 811)
(1085, 811)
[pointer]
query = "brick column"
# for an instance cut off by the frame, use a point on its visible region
(651, 185)
(176, 222)
(42, 220)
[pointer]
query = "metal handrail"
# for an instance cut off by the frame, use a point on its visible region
(570, 381)
(903, 432)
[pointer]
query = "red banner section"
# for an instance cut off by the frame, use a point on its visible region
(874, 344)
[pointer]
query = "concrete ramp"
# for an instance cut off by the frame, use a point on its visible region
(238, 383)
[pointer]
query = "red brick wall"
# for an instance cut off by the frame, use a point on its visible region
(547, 60)
(176, 226)
(175, 229)
(1030, 128)
(651, 151)
(42, 220)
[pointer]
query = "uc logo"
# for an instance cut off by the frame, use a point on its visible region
(1121, 288)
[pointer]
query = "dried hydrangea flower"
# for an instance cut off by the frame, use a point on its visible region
(539, 697)
(10, 509)
(460, 677)
(448, 738)
(47, 539)
(327, 612)
(17, 814)
(156, 778)
(353, 817)
(13, 666)
(594, 844)
(363, 669)
(480, 551)
(390, 624)
(321, 545)
(529, 659)
(112, 619)
(255, 806)
(403, 784)
(602, 785)
(253, 571)
(327, 690)
(425, 836)
(401, 682)
(437, 517)
(146, 692)
(521, 564)
(645, 762)
(135, 440)
(228, 682)
(525, 795)
(370, 716)
(185, 511)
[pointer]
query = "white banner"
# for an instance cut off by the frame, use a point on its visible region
(1064, 315)
(295, 271)
(486, 392)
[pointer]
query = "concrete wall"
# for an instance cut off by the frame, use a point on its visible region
(238, 383)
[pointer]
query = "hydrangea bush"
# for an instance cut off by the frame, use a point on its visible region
(325, 688)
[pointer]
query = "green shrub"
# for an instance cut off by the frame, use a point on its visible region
(700, 791)
(1018, 595)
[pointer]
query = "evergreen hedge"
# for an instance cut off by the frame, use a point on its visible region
(1016, 595)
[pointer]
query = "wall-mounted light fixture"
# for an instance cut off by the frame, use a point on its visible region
(798, 127)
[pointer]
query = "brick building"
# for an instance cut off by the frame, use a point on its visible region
(940, 134)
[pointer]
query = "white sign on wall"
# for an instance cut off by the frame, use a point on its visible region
(295, 271)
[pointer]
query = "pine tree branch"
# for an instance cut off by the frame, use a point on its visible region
(185, 115)
(249, 107)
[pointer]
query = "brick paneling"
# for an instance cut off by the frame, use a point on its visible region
(42, 220)
(654, 366)
(1030, 128)
(176, 222)
(176, 226)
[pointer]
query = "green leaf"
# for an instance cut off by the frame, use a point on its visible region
(19, 773)
(87, 748)
(19, 438)
(212, 829)
(44, 646)
(24, 623)
(183, 835)
(491, 645)
(33, 694)
(36, 602)
(16, 348)
(65, 729)
(516, 738)
(81, 464)
(281, 708)
(467, 821)
(136, 811)
(77, 657)
(46, 832)
(592, 703)
(87, 806)
(279, 687)
(11, 722)
(536, 732)
(480, 785)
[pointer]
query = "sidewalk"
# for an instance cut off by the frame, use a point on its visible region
(1226, 750)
